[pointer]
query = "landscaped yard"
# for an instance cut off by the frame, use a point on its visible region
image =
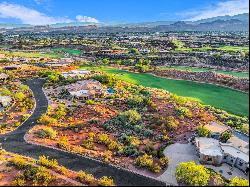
(223, 98)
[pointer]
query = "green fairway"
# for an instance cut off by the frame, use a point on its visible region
(229, 49)
(194, 69)
(223, 98)
(67, 50)
(31, 54)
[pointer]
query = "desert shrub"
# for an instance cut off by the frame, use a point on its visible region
(164, 161)
(131, 116)
(89, 142)
(129, 151)
(47, 132)
(90, 102)
(203, 131)
(136, 101)
(107, 155)
(113, 145)
(103, 139)
(19, 162)
(147, 133)
(108, 127)
(60, 112)
(19, 182)
(45, 120)
(226, 136)
(44, 161)
(30, 172)
(106, 181)
(24, 117)
(42, 177)
(190, 173)
(145, 161)
(134, 141)
(236, 181)
(171, 123)
(85, 178)
(183, 112)
(155, 168)
(20, 96)
(63, 143)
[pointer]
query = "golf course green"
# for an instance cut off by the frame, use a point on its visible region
(232, 101)
(194, 69)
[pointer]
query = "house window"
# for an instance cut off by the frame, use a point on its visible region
(225, 157)
(209, 159)
(240, 164)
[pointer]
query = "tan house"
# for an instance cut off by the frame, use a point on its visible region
(213, 152)
(86, 89)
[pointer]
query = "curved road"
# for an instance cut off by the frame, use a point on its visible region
(14, 142)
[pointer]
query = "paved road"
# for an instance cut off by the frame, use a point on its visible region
(14, 142)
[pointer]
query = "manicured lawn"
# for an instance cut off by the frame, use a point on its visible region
(67, 50)
(224, 98)
(194, 69)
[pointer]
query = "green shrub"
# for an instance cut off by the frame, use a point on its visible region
(236, 181)
(44, 161)
(19, 162)
(85, 178)
(131, 116)
(203, 131)
(106, 181)
(145, 161)
(183, 112)
(192, 174)
(47, 132)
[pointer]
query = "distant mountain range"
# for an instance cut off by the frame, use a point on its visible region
(222, 23)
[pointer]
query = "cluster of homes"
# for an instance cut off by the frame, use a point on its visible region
(234, 152)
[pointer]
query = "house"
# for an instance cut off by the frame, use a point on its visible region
(5, 101)
(86, 89)
(56, 64)
(213, 152)
(75, 73)
(209, 151)
(235, 157)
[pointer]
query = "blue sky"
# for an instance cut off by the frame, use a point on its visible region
(40, 12)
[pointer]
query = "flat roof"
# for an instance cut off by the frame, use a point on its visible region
(209, 146)
(229, 149)
(217, 128)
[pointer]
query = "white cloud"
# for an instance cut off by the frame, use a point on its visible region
(86, 19)
(229, 7)
(34, 17)
(27, 15)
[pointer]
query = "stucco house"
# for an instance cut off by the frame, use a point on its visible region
(213, 152)
(86, 89)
